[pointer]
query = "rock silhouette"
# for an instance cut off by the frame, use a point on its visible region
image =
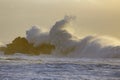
(21, 45)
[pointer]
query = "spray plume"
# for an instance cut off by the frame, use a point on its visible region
(60, 42)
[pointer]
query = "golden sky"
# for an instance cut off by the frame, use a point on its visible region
(93, 16)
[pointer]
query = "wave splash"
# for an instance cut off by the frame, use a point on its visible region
(66, 44)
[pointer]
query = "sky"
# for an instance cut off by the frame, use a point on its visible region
(92, 16)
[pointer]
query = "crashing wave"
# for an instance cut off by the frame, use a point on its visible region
(60, 42)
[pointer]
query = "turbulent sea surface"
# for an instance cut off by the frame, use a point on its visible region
(65, 43)
(59, 69)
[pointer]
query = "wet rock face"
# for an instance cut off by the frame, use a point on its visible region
(21, 45)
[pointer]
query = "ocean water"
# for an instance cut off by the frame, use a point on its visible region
(59, 69)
